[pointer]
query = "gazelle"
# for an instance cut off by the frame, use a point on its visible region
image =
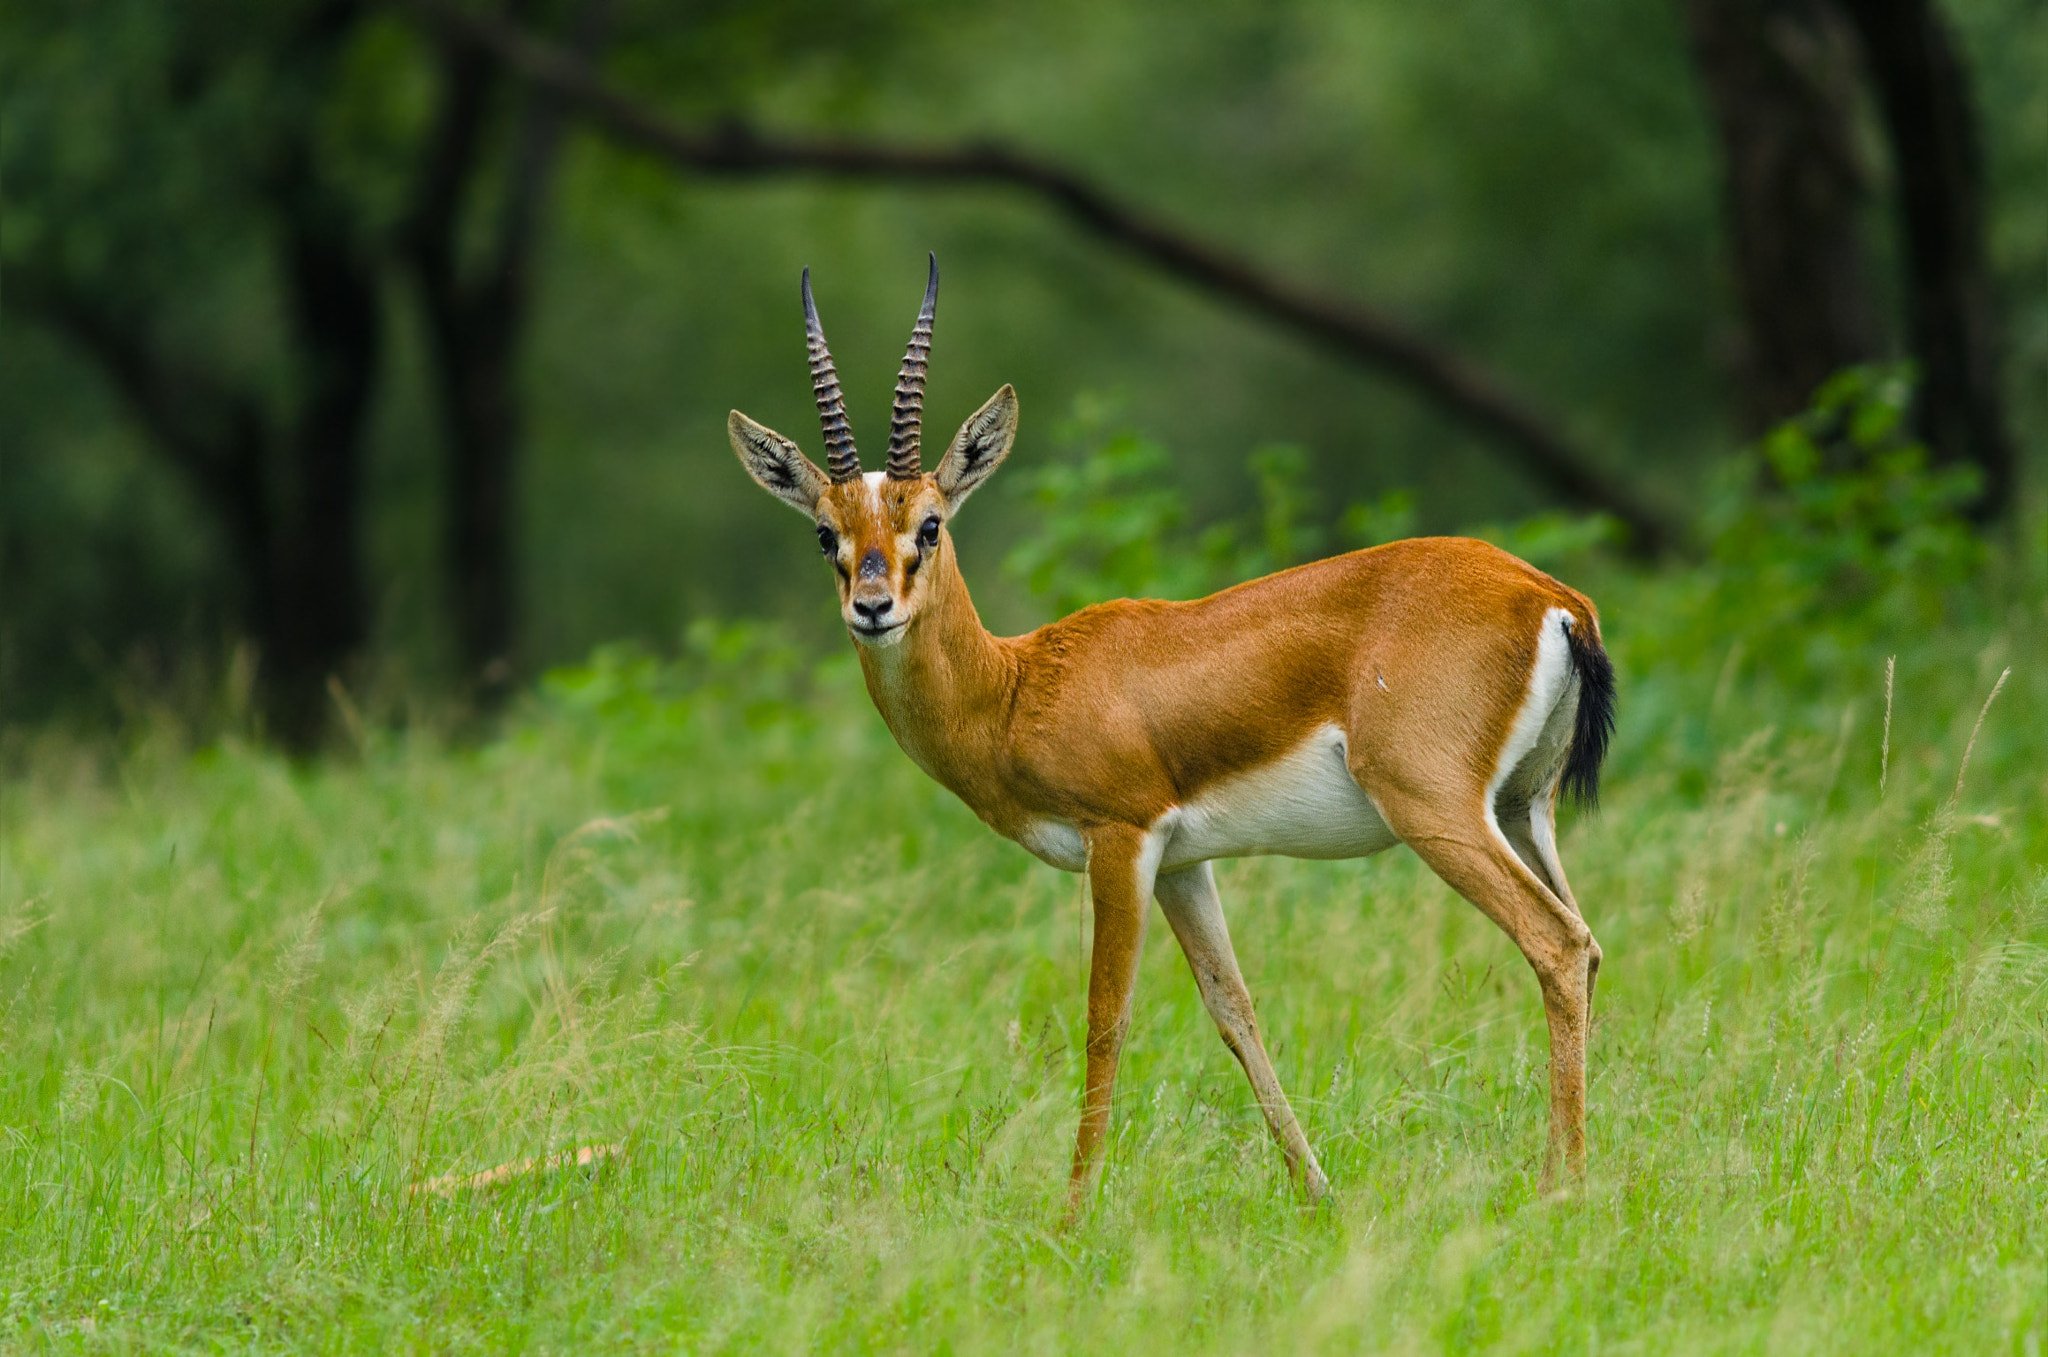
(1436, 692)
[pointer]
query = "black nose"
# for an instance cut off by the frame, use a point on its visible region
(872, 612)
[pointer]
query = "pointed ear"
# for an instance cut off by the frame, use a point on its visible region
(979, 448)
(775, 463)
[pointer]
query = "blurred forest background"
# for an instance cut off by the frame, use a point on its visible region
(393, 343)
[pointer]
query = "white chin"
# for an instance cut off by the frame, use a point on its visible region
(879, 642)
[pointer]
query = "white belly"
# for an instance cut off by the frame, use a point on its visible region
(1302, 805)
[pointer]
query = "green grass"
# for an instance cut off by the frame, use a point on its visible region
(832, 1021)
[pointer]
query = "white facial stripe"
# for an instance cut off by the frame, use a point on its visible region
(906, 543)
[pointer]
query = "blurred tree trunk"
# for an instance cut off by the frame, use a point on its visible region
(470, 348)
(284, 477)
(1783, 78)
(285, 493)
(476, 319)
(1931, 118)
(321, 619)
(283, 484)
(1780, 80)
(328, 274)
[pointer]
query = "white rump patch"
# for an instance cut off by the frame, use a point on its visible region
(1534, 753)
(1534, 728)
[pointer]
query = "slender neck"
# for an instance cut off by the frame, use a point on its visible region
(945, 689)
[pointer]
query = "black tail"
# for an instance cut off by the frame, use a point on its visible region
(1596, 714)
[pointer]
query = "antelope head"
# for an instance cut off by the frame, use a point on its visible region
(884, 532)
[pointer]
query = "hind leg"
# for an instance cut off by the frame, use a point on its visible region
(1532, 833)
(1188, 898)
(1518, 825)
(1464, 846)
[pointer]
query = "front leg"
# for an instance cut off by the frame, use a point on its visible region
(1121, 864)
(1195, 911)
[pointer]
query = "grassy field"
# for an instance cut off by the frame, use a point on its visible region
(706, 914)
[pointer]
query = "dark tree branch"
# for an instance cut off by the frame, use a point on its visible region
(1457, 385)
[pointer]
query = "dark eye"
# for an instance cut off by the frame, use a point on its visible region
(928, 532)
(828, 540)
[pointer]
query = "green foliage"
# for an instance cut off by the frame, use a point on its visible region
(1861, 513)
(1371, 523)
(1286, 532)
(1554, 538)
(751, 666)
(1835, 536)
(1105, 529)
(1112, 526)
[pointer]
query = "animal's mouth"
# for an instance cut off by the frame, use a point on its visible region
(876, 633)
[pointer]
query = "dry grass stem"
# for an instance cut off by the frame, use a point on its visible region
(1963, 770)
(1884, 749)
(581, 1157)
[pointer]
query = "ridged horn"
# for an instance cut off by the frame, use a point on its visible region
(842, 463)
(906, 417)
